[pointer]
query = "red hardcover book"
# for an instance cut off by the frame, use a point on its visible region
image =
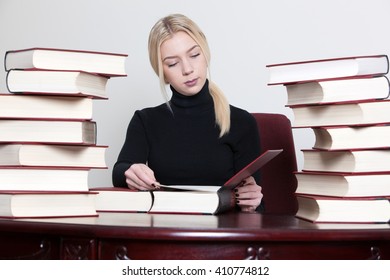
(49, 131)
(55, 82)
(359, 137)
(347, 161)
(342, 113)
(343, 184)
(335, 91)
(322, 209)
(207, 199)
(43, 204)
(33, 178)
(327, 69)
(111, 199)
(20, 106)
(181, 199)
(43, 155)
(103, 63)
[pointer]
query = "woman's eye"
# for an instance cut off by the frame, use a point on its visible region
(172, 64)
(195, 55)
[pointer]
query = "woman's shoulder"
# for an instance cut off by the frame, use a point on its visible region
(156, 111)
(242, 120)
(240, 115)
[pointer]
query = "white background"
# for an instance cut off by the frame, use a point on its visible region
(244, 36)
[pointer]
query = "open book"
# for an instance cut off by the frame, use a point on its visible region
(183, 198)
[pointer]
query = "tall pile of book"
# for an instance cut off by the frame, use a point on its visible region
(48, 139)
(346, 174)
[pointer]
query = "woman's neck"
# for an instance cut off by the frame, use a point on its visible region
(198, 103)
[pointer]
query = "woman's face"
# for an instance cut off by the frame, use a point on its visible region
(184, 65)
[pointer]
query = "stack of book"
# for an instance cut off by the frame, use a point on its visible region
(48, 139)
(346, 174)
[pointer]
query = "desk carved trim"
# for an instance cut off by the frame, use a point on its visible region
(78, 249)
(125, 236)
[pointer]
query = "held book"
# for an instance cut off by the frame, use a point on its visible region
(352, 137)
(347, 161)
(331, 68)
(105, 64)
(332, 91)
(48, 131)
(181, 199)
(68, 83)
(321, 209)
(38, 204)
(360, 113)
(41, 155)
(43, 179)
(14, 106)
(343, 184)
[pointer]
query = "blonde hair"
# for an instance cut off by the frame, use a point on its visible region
(163, 30)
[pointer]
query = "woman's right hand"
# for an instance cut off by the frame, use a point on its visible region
(140, 177)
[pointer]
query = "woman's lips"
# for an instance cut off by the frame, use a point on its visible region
(191, 83)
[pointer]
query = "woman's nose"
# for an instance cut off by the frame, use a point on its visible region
(187, 68)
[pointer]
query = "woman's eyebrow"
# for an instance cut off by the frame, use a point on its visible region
(175, 56)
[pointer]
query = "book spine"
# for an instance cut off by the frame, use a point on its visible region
(227, 200)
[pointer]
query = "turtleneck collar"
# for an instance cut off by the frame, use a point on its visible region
(200, 102)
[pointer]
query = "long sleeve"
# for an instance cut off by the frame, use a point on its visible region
(135, 150)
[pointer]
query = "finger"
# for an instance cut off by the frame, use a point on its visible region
(145, 175)
(248, 209)
(249, 193)
(136, 186)
(249, 189)
(136, 176)
(248, 205)
(249, 181)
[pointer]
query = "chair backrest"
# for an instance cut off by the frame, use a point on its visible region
(277, 177)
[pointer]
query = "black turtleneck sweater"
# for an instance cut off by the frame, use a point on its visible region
(183, 147)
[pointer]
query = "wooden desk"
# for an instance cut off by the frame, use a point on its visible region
(228, 236)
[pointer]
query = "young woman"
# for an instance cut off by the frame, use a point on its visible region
(196, 137)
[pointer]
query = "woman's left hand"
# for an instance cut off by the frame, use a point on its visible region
(248, 195)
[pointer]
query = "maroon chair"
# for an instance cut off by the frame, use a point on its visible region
(277, 177)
